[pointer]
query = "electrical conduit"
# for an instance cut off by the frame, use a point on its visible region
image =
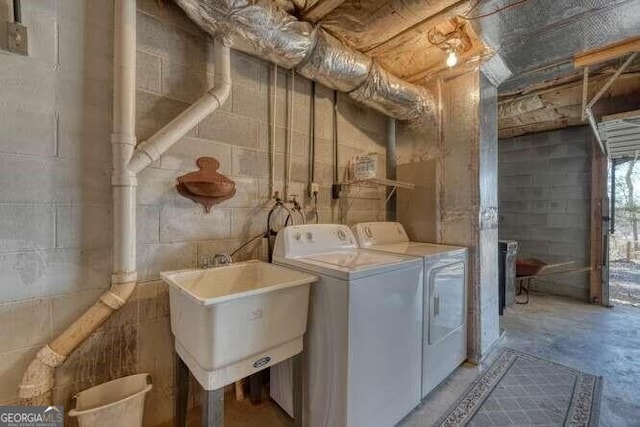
(128, 160)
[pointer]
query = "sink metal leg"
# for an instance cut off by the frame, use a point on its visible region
(297, 389)
(182, 392)
(213, 408)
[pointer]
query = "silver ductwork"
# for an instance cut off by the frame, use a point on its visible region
(261, 28)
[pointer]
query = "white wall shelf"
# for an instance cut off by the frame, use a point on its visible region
(374, 182)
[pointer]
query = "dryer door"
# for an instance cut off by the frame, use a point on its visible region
(446, 300)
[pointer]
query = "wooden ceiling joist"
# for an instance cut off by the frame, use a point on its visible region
(396, 41)
(320, 9)
(607, 53)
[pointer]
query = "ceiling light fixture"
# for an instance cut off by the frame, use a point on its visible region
(452, 43)
(452, 59)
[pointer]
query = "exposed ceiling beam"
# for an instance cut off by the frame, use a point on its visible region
(540, 127)
(558, 107)
(607, 53)
(398, 40)
(320, 9)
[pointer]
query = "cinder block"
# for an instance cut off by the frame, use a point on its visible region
(248, 71)
(84, 133)
(185, 221)
(28, 132)
(153, 112)
(324, 151)
(578, 206)
(548, 206)
(184, 83)
(78, 92)
(250, 103)
(85, 50)
(247, 223)
(67, 308)
(531, 220)
(53, 180)
(170, 13)
(559, 234)
(576, 250)
(514, 206)
(24, 324)
(516, 181)
(247, 194)
(361, 116)
(569, 192)
(183, 155)
(80, 12)
(27, 84)
(41, 273)
(152, 35)
(27, 227)
(323, 122)
(172, 42)
(156, 186)
(12, 367)
(148, 224)
(222, 126)
(323, 174)
(570, 164)
(83, 226)
(152, 258)
(568, 220)
(254, 163)
(149, 72)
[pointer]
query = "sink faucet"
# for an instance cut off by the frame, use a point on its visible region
(216, 261)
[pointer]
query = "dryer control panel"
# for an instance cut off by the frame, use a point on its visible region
(303, 240)
(379, 233)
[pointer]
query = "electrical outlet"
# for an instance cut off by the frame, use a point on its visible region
(335, 191)
(17, 40)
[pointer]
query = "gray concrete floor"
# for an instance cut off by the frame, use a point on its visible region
(602, 341)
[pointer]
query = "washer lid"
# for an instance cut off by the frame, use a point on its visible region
(417, 248)
(354, 260)
(351, 264)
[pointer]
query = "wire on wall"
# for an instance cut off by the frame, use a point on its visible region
(473, 18)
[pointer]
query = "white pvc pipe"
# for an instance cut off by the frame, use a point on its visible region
(123, 141)
(151, 150)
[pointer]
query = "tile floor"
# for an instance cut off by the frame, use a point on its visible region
(602, 341)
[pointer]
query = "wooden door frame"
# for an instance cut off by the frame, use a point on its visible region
(599, 208)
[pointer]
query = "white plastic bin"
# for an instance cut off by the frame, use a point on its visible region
(115, 403)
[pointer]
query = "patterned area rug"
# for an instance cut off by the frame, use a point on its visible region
(519, 389)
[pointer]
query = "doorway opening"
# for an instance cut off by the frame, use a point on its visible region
(624, 243)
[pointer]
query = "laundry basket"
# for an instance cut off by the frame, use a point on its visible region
(115, 403)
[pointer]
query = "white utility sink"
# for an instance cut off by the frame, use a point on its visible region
(234, 320)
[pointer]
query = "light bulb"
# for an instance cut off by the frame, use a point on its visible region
(452, 59)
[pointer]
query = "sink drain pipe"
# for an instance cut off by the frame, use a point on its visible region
(129, 159)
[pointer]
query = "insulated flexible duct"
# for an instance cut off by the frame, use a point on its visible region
(261, 28)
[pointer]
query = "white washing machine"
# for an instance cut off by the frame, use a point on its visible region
(445, 302)
(362, 349)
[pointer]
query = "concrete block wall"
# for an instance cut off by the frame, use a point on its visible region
(55, 194)
(544, 185)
